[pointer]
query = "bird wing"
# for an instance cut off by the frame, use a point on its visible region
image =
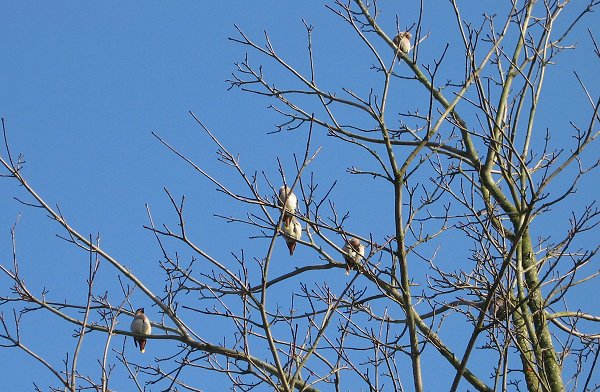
(147, 327)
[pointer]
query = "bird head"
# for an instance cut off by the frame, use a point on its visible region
(285, 190)
(354, 243)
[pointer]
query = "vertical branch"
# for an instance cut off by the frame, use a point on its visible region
(94, 264)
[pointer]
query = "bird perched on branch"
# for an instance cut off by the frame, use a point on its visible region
(354, 252)
(140, 326)
(293, 232)
(500, 308)
(287, 198)
(402, 41)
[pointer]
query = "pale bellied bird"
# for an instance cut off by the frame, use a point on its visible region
(286, 197)
(293, 232)
(402, 42)
(354, 251)
(140, 326)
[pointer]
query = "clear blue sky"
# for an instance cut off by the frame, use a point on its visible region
(82, 85)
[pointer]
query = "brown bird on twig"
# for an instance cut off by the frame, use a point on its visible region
(402, 42)
(354, 251)
(140, 326)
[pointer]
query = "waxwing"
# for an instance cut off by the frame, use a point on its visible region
(140, 326)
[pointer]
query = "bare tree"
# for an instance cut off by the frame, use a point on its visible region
(463, 161)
